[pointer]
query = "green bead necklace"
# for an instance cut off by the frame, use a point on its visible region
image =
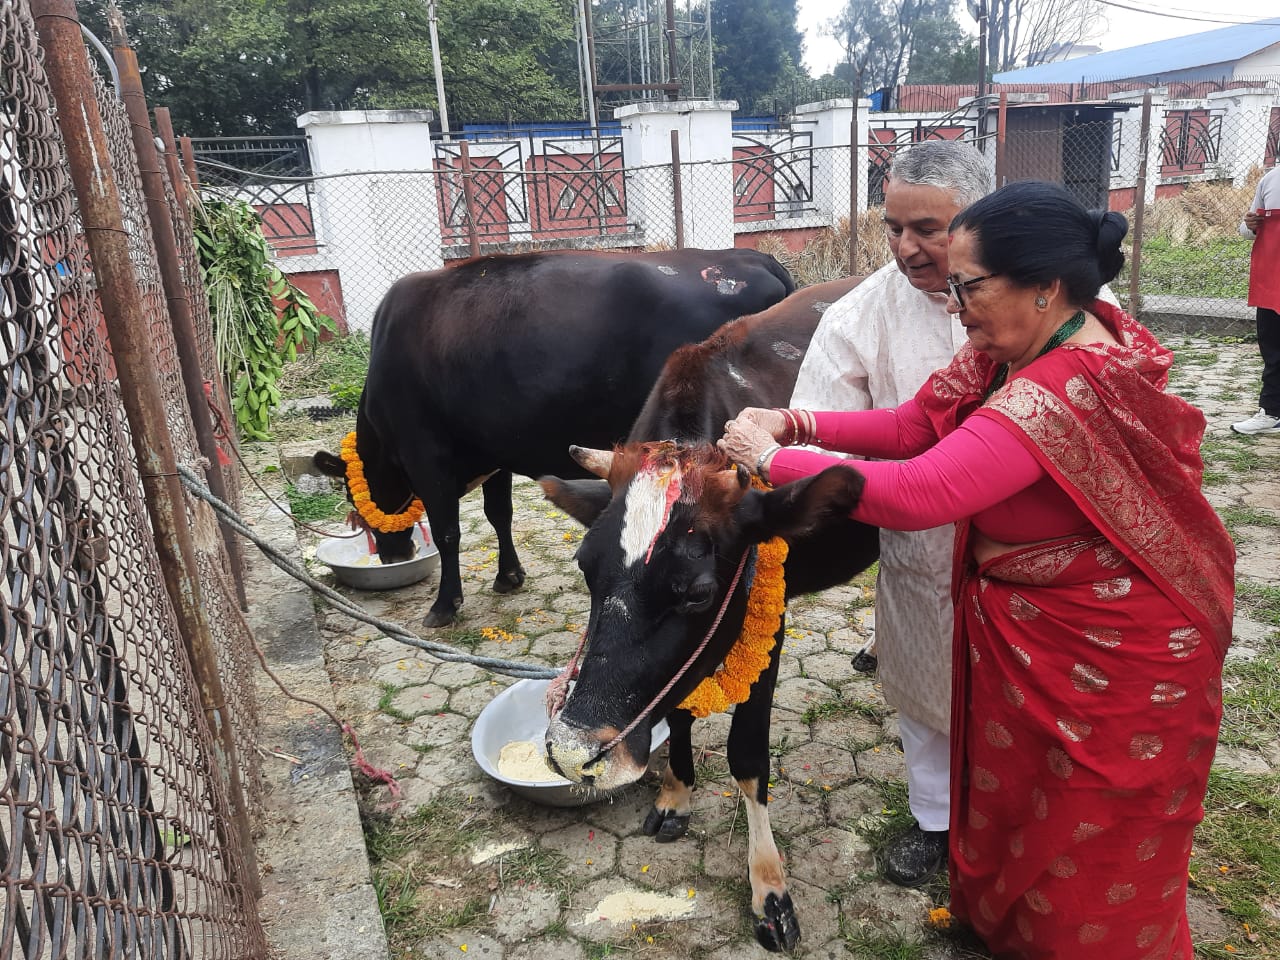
(1060, 336)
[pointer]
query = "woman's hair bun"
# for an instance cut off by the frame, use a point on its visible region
(1112, 228)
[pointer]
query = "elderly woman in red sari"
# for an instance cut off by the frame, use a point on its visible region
(1093, 583)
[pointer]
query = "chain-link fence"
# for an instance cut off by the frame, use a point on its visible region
(124, 814)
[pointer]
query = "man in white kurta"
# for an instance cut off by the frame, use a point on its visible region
(875, 347)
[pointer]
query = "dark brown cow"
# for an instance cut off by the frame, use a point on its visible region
(667, 535)
(496, 366)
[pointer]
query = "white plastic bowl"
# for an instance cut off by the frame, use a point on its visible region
(520, 713)
(353, 565)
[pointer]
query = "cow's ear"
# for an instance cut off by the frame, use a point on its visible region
(584, 500)
(329, 464)
(796, 509)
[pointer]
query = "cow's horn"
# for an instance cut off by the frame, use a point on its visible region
(595, 461)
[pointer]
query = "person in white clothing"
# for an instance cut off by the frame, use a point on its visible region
(875, 347)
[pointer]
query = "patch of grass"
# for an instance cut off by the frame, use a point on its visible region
(867, 941)
(1198, 358)
(839, 707)
(534, 865)
(1215, 268)
(556, 928)
(1251, 700)
(389, 692)
(1241, 831)
(712, 768)
(1258, 601)
(895, 815)
(312, 507)
(1248, 517)
(424, 880)
(1241, 456)
(337, 367)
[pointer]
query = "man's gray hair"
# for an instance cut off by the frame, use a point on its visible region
(947, 164)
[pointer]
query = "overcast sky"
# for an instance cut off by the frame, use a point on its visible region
(1125, 28)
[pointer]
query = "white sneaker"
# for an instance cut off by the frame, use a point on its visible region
(1260, 422)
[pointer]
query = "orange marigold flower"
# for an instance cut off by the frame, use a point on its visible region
(750, 654)
(358, 487)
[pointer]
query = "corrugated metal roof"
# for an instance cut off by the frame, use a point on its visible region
(1150, 59)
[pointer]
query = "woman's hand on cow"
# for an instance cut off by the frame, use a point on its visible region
(745, 440)
(766, 418)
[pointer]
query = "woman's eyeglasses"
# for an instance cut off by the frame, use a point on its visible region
(957, 286)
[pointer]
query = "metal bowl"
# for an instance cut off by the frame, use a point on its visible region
(520, 713)
(353, 565)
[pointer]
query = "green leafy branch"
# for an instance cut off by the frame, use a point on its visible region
(260, 319)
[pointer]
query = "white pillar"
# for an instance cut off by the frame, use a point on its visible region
(1155, 136)
(831, 122)
(1245, 125)
(376, 225)
(706, 154)
(1125, 174)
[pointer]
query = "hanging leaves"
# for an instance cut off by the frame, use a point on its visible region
(260, 319)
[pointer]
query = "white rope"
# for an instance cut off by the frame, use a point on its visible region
(393, 631)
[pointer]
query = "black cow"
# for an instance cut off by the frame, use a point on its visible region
(659, 581)
(496, 366)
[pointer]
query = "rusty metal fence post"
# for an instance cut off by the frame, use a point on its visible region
(677, 190)
(175, 290)
(469, 196)
(1139, 208)
(189, 162)
(70, 80)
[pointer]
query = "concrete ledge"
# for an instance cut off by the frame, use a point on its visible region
(318, 902)
(1217, 316)
(337, 117)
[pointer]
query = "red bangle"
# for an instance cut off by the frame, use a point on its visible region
(805, 426)
(792, 427)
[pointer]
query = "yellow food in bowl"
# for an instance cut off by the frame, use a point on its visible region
(523, 760)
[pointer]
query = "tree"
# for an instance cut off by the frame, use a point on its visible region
(1024, 31)
(219, 65)
(509, 59)
(943, 53)
(881, 37)
(754, 41)
(235, 67)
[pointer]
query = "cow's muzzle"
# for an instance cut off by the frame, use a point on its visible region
(579, 754)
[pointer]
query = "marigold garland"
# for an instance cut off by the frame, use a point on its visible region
(359, 489)
(731, 683)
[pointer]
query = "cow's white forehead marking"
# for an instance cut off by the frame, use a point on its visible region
(649, 498)
(617, 607)
(736, 375)
(669, 271)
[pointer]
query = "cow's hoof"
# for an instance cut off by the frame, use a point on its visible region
(438, 618)
(509, 582)
(665, 826)
(778, 929)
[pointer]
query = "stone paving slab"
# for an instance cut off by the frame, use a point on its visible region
(837, 762)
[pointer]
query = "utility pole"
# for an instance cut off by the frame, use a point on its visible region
(435, 66)
(978, 10)
(589, 59)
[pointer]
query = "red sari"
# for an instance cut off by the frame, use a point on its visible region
(1087, 683)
